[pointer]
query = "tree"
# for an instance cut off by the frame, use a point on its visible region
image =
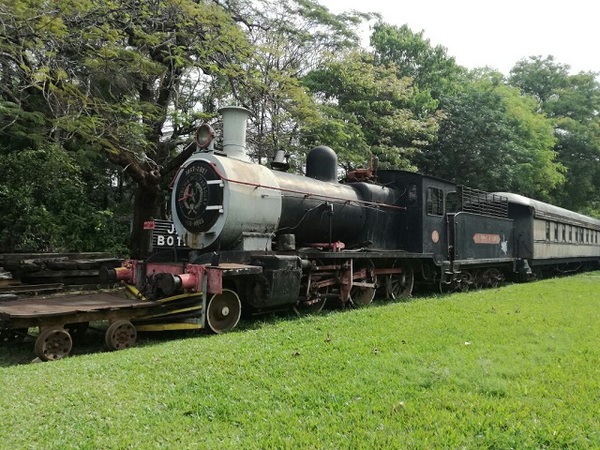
(572, 102)
(45, 207)
(293, 38)
(493, 138)
(539, 77)
(430, 67)
(120, 77)
(369, 110)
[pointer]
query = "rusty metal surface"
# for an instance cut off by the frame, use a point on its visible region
(29, 288)
(37, 307)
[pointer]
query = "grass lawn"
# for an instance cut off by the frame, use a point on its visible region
(515, 367)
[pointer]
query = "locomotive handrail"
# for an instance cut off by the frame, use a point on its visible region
(305, 193)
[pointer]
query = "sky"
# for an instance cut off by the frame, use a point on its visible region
(497, 34)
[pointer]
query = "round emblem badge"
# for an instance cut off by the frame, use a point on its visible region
(199, 196)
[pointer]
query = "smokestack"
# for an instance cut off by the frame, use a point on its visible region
(234, 131)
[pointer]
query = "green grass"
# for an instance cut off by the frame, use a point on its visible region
(515, 367)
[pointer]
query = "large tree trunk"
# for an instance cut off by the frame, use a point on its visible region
(144, 207)
(145, 200)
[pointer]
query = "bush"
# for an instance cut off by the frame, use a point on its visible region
(44, 206)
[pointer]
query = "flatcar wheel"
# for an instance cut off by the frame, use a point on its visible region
(53, 344)
(223, 311)
(120, 334)
(400, 285)
(360, 295)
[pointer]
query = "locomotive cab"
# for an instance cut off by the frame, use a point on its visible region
(464, 232)
(423, 228)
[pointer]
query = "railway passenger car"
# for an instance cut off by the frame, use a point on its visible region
(550, 239)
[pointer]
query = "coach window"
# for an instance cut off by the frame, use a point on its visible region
(564, 232)
(570, 233)
(556, 231)
(435, 201)
(547, 231)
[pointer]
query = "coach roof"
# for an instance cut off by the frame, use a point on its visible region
(550, 212)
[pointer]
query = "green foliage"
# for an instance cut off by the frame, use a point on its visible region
(534, 169)
(493, 138)
(372, 110)
(414, 57)
(539, 76)
(572, 102)
(514, 367)
(293, 37)
(45, 208)
(19, 128)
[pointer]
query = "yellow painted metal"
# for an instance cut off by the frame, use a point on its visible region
(180, 296)
(137, 294)
(175, 311)
(169, 327)
(133, 292)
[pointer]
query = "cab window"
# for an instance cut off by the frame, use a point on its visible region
(435, 201)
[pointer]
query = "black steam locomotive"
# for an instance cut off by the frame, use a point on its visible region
(265, 239)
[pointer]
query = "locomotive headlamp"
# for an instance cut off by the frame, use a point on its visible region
(204, 135)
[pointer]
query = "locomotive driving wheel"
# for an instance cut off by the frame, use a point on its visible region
(120, 334)
(314, 304)
(223, 311)
(363, 295)
(400, 285)
(53, 344)
(316, 296)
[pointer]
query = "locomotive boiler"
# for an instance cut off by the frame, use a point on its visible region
(222, 201)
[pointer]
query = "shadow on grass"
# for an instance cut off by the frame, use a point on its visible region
(92, 341)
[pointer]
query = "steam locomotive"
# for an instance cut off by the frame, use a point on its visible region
(263, 239)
